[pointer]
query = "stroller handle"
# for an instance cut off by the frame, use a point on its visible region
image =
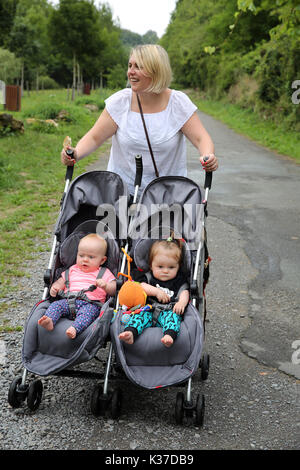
(139, 170)
(208, 179)
(69, 173)
(70, 169)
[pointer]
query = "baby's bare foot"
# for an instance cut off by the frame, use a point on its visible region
(71, 332)
(167, 340)
(127, 337)
(46, 323)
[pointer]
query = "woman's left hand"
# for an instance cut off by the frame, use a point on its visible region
(209, 162)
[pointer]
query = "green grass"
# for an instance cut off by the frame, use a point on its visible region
(32, 177)
(274, 136)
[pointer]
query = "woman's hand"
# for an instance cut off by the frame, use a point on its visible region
(66, 159)
(209, 162)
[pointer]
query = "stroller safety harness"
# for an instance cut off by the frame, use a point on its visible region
(158, 307)
(71, 297)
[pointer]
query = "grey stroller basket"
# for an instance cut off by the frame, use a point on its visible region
(84, 208)
(167, 204)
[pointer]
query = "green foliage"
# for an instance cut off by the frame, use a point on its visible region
(116, 78)
(10, 66)
(223, 46)
(91, 99)
(47, 83)
(131, 39)
(48, 38)
(7, 14)
(51, 110)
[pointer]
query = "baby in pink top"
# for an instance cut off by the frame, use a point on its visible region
(91, 255)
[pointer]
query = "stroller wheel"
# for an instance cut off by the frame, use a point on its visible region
(95, 400)
(35, 393)
(15, 396)
(179, 411)
(204, 366)
(116, 401)
(200, 407)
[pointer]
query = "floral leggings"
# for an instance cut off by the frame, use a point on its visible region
(168, 320)
(86, 313)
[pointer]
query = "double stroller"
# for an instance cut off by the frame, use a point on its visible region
(98, 202)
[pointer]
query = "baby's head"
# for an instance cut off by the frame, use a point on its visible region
(165, 258)
(91, 252)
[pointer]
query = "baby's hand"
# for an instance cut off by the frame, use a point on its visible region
(101, 283)
(179, 308)
(162, 296)
(53, 290)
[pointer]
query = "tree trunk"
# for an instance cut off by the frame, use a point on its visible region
(74, 76)
(22, 77)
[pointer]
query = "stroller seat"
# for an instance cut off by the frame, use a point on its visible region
(148, 350)
(47, 352)
(147, 361)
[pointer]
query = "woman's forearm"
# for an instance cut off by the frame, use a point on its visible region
(103, 129)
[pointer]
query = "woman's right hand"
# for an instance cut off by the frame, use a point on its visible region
(67, 159)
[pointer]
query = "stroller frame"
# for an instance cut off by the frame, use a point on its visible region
(19, 389)
(102, 399)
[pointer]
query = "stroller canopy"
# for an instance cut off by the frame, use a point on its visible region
(91, 196)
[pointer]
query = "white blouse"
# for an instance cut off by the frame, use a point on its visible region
(164, 129)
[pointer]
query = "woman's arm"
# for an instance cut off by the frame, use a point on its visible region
(194, 130)
(103, 129)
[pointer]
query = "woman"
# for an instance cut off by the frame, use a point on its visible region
(170, 116)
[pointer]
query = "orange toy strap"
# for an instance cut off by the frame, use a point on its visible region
(129, 259)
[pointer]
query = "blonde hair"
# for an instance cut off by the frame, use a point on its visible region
(172, 245)
(154, 61)
(96, 237)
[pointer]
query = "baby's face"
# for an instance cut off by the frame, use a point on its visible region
(164, 267)
(90, 255)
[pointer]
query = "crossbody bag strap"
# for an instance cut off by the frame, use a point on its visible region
(147, 136)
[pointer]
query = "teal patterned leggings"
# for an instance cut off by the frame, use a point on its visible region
(168, 320)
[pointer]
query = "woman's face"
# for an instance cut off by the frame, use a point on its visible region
(138, 80)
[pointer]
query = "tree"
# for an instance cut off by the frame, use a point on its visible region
(28, 37)
(7, 14)
(74, 27)
(10, 66)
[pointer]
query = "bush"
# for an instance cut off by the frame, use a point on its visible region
(47, 83)
(51, 110)
(91, 99)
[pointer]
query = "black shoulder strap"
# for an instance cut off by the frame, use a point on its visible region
(147, 136)
(67, 283)
(101, 272)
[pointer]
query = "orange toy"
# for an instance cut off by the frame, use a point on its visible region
(131, 295)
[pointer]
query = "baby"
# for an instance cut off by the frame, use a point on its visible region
(166, 282)
(91, 255)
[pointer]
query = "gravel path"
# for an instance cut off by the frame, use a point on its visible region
(250, 403)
